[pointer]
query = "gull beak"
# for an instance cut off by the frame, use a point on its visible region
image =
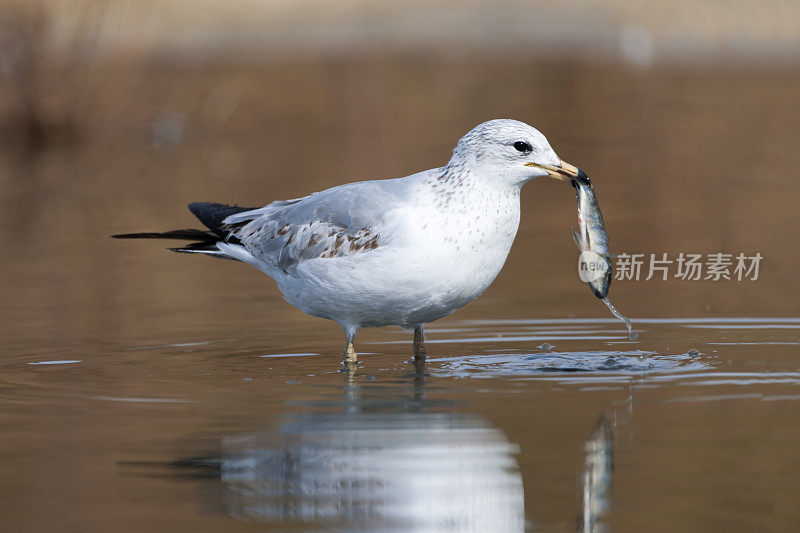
(563, 172)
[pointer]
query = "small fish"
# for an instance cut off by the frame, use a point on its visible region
(596, 267)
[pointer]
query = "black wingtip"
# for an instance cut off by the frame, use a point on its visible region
(212, 215)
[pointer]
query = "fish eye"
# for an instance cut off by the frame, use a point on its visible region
(524, 147)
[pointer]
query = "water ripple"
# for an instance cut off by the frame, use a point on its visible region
(606, 361)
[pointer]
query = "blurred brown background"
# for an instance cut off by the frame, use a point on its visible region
(114, 115)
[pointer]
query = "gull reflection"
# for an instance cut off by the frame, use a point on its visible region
(377, 465)
(596, 476)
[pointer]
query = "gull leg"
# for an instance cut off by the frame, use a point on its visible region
(350, 355)
(420, 352)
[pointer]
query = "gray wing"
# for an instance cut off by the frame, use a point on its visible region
(336, 222)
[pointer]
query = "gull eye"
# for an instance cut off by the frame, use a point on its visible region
(522, 146)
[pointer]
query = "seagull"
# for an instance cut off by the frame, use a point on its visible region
(403, 251)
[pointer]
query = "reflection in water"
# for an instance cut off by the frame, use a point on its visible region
(405, 471)
(377, 464)
(597, 476)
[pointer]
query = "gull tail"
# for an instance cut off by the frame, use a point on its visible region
(203, 241)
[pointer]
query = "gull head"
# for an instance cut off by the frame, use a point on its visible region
(506, 151)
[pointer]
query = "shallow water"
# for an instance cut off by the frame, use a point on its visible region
(141, 390)
(492, 432)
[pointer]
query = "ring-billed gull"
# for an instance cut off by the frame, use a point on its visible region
(403, 251)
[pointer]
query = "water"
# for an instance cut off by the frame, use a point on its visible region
(143, 390)
(214, 434)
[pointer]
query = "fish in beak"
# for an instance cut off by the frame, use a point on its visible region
(592, 238)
